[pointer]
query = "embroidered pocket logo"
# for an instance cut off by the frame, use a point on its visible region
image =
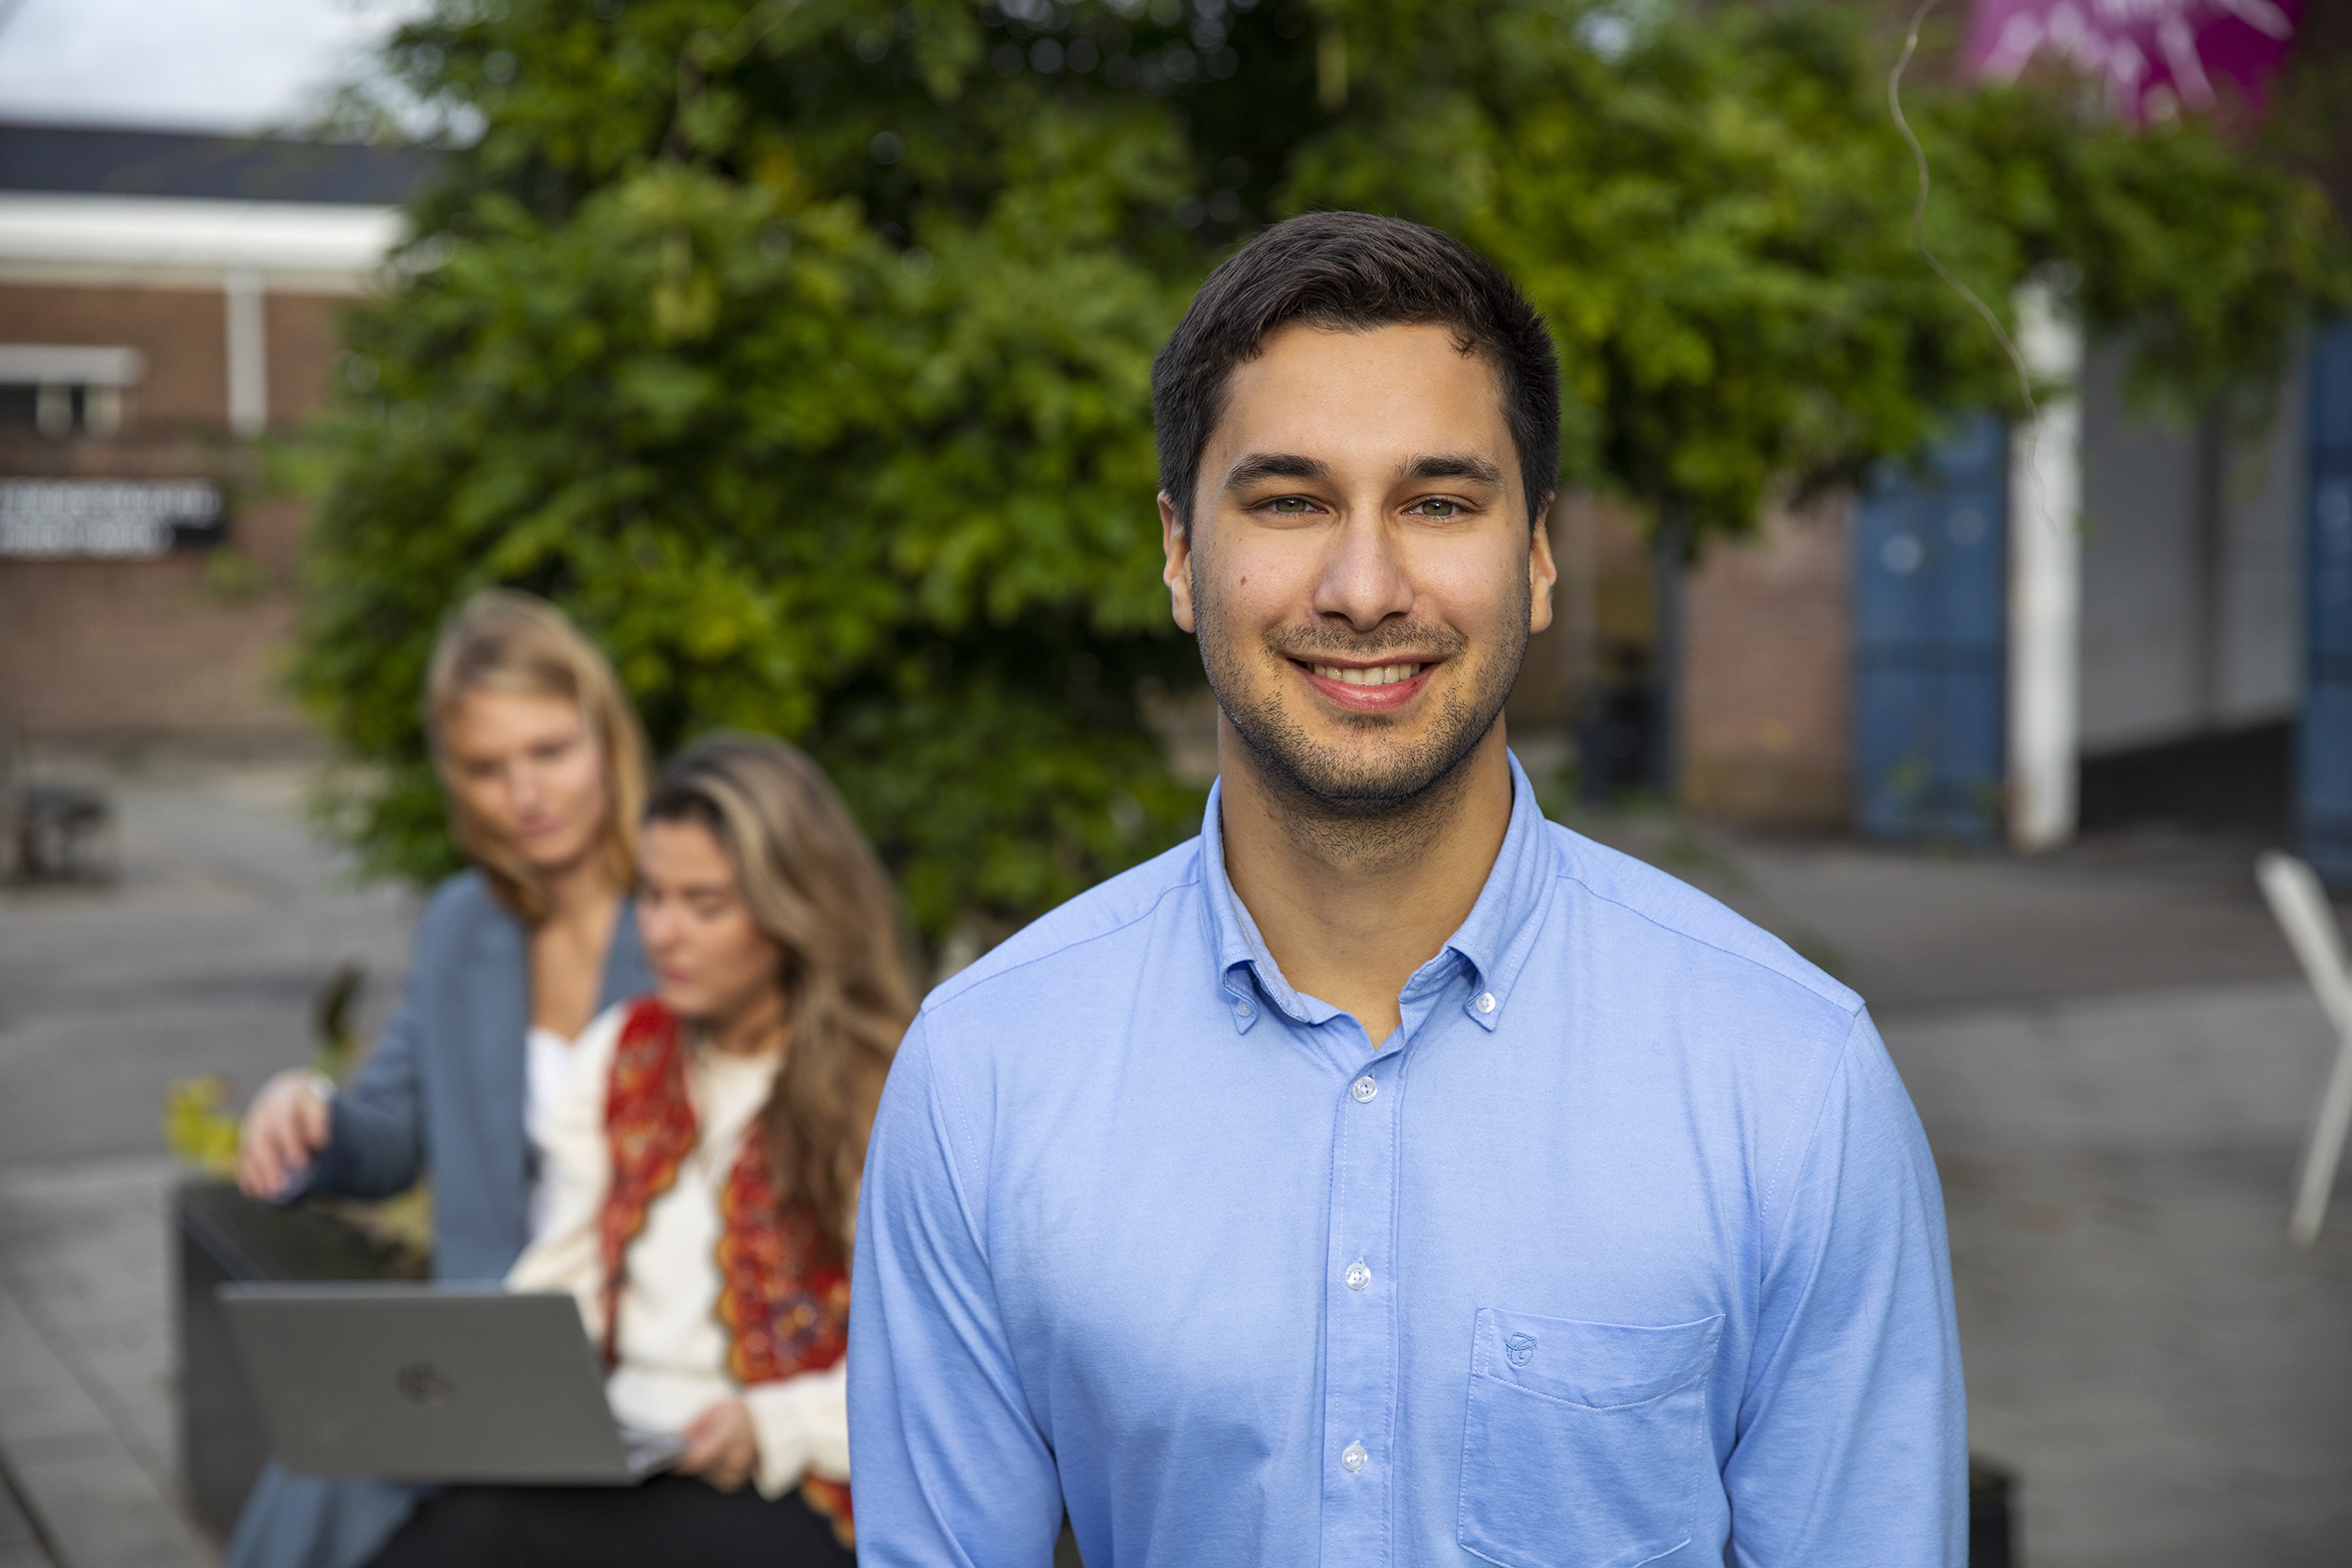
(1520, 1348)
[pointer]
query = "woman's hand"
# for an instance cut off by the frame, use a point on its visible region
(721, 1446)
(286, 1125)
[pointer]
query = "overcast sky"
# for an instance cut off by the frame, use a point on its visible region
(194, 65)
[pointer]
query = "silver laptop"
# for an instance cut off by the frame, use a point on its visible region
(433, 1383)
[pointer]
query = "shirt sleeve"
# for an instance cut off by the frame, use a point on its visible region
(376, 1138)
(951, 1469)
(802, 1425)
(1853, 1438)
(567, 1254)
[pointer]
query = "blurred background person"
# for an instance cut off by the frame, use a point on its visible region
(704, 1157)
(544, 769)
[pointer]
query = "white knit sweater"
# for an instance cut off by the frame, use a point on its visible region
(672, 1347)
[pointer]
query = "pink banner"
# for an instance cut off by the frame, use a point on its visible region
(2150, 53)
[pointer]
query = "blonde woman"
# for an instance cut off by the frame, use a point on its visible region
(705, 1158)
(543, 765)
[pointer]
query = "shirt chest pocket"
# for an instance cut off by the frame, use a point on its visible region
(1586, 1442)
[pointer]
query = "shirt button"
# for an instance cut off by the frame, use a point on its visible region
(1358, 1275)
(1485, 1002)
(1364, 1088)
(1243, 1008)
(1351, 1457)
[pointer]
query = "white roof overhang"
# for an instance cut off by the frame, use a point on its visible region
(301, 247)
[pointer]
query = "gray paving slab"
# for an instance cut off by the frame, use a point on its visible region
(2164, 1374)
(76, 1427)
(82, 1254)
(202, 957)
(1913, 928)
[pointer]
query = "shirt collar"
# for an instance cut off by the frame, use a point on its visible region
(1493, 941)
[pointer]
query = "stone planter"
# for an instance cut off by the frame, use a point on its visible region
(220, 1236)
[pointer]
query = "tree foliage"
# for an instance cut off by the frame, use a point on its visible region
(1716, 217)
(802, 349)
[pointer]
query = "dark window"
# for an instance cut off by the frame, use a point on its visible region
(60, 411)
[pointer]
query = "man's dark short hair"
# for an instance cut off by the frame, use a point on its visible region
(1353, 272)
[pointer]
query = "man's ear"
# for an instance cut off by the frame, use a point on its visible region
(1176, 543)
(1541, 573)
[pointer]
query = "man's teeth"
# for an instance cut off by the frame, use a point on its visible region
(1377, 675)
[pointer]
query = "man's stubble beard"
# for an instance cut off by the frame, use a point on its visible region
(1347, 802)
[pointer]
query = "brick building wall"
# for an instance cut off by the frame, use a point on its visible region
(1764, 715)
(188, 646)
(1765, 676)
(222, 262)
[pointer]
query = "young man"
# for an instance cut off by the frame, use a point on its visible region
(1388, 1175)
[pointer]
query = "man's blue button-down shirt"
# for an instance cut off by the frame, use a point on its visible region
(1626, 1245)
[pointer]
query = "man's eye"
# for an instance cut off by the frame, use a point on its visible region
(1290, 504)
(1437, 507)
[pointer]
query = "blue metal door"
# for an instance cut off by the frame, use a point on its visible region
(1931, 561)
(2323, 768)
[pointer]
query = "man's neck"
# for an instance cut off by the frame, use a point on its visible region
(1350, 907)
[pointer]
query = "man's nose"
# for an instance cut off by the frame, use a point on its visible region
(1363, 582)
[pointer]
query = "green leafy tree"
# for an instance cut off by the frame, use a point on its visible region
(804, 353)
(802, 349)
(1715, 214)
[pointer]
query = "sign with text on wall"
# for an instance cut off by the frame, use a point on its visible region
(107, 518)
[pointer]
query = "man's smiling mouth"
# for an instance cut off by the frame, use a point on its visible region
(1368, 675)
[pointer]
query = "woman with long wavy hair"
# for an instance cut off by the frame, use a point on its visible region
(544, 773)
(705, 1160)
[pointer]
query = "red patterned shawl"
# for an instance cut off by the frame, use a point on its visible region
(784, 1293)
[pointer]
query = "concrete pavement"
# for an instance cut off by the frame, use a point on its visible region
(202, 957)
(85, 1361)
(2164, 1374)
(1913, 929)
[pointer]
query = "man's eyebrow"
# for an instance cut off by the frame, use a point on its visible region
(1453, 465)
(1274, 465)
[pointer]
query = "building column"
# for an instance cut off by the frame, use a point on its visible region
(245, 299)
(2045, 581)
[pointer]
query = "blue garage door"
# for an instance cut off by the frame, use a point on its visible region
(2324, 764)
(1930, 551)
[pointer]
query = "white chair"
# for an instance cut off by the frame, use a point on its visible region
(2300, 903)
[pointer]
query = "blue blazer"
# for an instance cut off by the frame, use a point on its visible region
(443, 1089)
